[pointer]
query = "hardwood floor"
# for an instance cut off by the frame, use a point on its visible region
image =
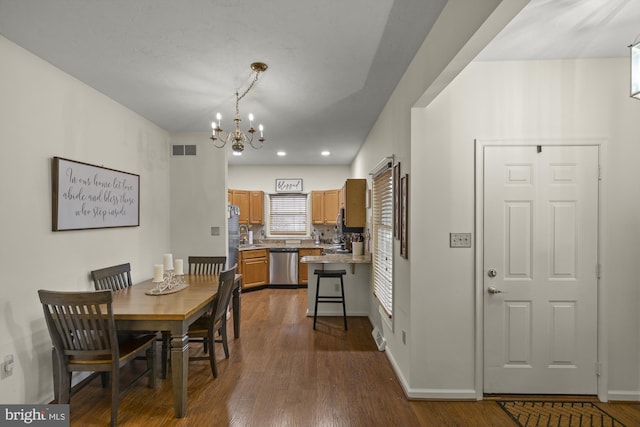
(282, 373)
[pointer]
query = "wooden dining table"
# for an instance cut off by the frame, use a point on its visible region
(172, 313)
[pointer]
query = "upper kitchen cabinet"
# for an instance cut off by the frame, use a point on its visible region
(256, 207)
(353, 200)
(240, 198)
(324, 207)
(317, 207)
(251, 205)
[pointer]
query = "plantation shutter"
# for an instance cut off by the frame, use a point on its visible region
(288, 214)
(383, 239)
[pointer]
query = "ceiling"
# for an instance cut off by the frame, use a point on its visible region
(332, 64)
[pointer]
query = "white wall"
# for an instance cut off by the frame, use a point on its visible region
(461, 31)
(198, 198)
(587, 99)
(263, 178)
(46, 113)
(314, 178)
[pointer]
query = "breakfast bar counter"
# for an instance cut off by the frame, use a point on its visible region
(357, 283)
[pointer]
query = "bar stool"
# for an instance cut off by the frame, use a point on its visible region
(330, 298)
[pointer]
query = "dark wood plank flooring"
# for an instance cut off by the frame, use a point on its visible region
(282, 373)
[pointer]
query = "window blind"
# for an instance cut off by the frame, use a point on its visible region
(382, 216)
(288, 214)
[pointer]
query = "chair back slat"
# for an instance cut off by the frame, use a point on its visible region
(203, 265)
(225, 286)
(115, 278)
(78, 323)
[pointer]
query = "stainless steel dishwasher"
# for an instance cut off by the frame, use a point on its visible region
(283, 267)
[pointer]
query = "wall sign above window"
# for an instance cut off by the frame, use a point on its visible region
(290, 185)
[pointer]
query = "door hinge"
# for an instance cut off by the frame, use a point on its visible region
(598, 368)
(598, 268)
(599, 173)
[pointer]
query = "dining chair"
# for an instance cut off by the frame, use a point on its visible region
(115, 278)
(83, 333)
(206, 264)
(216, 322)
(198, 265)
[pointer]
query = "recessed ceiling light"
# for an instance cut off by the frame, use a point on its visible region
(281, 153)
(325, 153)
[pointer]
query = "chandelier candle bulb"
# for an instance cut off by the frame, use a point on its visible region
(158, 273)
(168, 261)
(261, 128)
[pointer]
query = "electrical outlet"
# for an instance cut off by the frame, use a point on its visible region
(6, 368)
(459, 240)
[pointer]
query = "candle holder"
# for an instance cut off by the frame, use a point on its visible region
(170, 280)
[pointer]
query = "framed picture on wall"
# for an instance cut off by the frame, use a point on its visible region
(404, 207)
(90, 196)
(396, 201)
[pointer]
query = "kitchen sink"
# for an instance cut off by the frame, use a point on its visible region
(255, 246)
(338, 250)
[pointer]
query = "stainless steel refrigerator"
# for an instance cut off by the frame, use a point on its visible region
(233, 227)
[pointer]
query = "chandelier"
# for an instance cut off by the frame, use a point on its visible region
(237, 138)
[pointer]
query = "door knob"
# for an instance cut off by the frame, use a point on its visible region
(492, 272)
(493, 290)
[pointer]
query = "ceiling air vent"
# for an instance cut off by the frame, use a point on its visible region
(189, 150)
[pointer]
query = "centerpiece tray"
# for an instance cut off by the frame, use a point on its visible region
(154, 291)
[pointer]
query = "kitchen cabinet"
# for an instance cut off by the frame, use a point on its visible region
(303, 268)
(256, 207)
(254, 267)
(317, 207)
(324, 207)
(353, 201)
(251, 205)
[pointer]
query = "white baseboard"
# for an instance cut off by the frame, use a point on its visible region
(624, 395)
(428, 394)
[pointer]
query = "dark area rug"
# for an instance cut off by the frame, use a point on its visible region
(557, 414)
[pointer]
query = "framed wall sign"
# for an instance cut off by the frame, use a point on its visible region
(404, 207)
(289, 185)
(89, 196)
(397, 222)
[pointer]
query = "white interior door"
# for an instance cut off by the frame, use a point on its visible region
(540, 269)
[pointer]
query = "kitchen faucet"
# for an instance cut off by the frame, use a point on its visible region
(243, 233)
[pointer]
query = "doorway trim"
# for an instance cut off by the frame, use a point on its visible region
(480, 144)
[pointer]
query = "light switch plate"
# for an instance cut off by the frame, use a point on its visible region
(459, 240)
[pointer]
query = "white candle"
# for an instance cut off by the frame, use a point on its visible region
(158, 272)
(177, 265)
(168, 262)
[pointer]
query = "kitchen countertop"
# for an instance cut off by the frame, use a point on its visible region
(337, 259)
(301, 245)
